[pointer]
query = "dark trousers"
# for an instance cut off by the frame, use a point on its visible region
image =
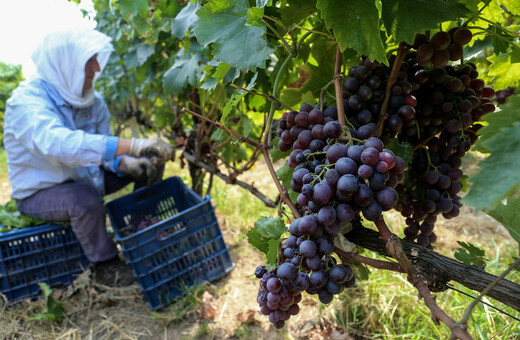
(82, 206)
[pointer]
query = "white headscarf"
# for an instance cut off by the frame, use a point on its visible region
(61, 57)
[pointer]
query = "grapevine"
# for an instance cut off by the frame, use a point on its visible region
(343, 172)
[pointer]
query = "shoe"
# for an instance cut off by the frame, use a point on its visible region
(112, 273)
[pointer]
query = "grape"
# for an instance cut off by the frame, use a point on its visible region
(274, 285)
(346, 166)
(308, 248)
(322, 193)
(335, 152)
(325, 296)
(345, 213)
(327, 215)
(440, 40)
(325, 245)
(387, 198)
(318, 278)
(372, 212)
(332, 129)
(287, 271)
(462, 36)
(348, 184)
(339, 274)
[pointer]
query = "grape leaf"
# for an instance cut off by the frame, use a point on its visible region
(276, 153)
(498, 175)
(512, 6)
(471, 254)
(403, 150)
(505, 72)
(509, 215)
(266, 229)
(234, 42)
(497, 121)
(285, 176)
(183, 72)
(356, 25)
(133, 7)
(297, 11)
(499, 45)
(55, 310)
(185, 20)
(405, 18)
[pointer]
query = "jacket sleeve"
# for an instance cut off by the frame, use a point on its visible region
(38, 126)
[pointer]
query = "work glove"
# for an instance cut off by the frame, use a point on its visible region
(156, 149)
(140, 168)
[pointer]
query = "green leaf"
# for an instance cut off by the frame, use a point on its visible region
(261, 3)
(276, 153)
(143, 52)
(471, 254)
(272, 252)
(512, 6)
(405, 18)
(497, 121)
(235, 99)
(55, 310)
(185, 20)
(284, 174)
(266, 229)
(505, 72)
(183, 72)
(296, 11)
(499, 45)
(356, 25)
(234, 41)
(509, 215)
(403, 150)
(498, 175)
(133, 7)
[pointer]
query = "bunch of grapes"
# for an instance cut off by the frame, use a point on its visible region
(277, 299)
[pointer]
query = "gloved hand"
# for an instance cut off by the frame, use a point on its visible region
(140, 168)
(158, 150)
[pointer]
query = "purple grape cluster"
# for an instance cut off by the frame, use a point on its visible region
(277, 298)
(449, 103)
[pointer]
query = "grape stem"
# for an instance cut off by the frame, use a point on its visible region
(467, 312)
(338, 77)
(424, 142)
(261, 94)
(385, 265)
(392, 78)
(394, 248)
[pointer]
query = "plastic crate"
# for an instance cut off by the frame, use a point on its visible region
(183, 249)
(46, 253)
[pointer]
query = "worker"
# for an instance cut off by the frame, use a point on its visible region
(61, 156)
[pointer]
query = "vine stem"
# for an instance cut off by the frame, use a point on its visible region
(392, 78)
(385, 265)
(220, 126)
(338, 77)
(394, 248)
(467, 312)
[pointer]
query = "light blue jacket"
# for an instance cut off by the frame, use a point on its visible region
(49, 142)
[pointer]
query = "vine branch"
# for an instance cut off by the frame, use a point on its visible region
(468, 311)
(220, 126)
(385, 265)
(395, 249)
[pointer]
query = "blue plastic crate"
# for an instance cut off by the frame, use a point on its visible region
(183, 249)
(46, 253)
